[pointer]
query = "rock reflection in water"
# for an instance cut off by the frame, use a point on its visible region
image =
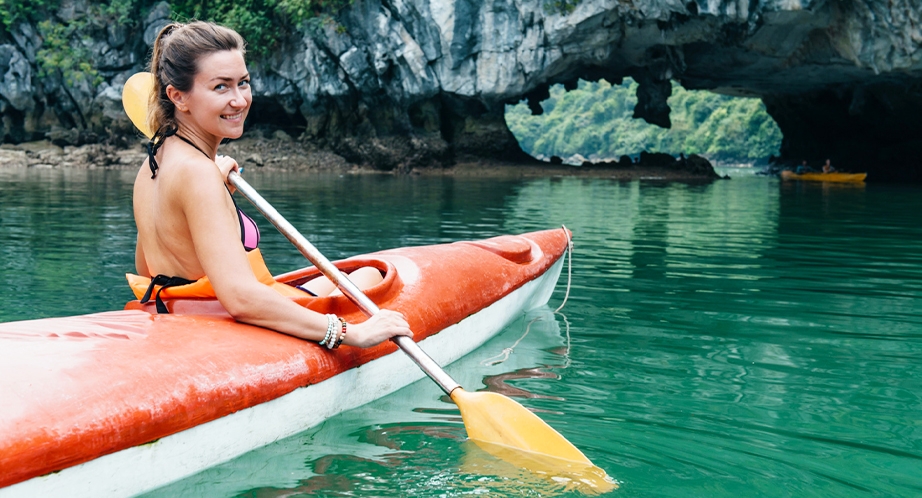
(499, 383)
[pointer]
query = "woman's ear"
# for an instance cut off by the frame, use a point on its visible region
(177, 97)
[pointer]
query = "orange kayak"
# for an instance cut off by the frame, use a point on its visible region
(825, 177)
(121, 402)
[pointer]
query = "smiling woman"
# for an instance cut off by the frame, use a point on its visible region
(193, 240)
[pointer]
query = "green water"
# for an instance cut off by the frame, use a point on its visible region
(740, 338)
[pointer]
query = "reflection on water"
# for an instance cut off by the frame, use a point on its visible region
(501, 383)
(504, 383)
(741, 338)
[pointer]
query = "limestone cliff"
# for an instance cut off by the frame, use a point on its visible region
(405, 82)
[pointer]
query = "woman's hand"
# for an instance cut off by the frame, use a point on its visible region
(226, 164)
(377, 329)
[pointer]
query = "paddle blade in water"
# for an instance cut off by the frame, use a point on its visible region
(495, 419)
(507, 430)
(554, 476)
(135, 97)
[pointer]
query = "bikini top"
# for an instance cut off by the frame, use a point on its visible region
(249, 232)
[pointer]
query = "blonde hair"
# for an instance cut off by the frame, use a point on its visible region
(174, 61)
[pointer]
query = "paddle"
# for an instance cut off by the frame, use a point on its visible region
(492, 420)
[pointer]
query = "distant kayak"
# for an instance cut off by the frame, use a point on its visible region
(825, 177)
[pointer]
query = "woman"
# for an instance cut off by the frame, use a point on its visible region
(189, 228)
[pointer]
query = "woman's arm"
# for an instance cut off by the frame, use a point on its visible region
(214, 226)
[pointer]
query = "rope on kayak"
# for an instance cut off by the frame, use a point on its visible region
(504, 354)
(569, 267)
(566, 322)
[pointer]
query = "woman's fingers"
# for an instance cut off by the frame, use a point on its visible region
(396, 322)
(379, 328)
(386, 324)
(226, 164)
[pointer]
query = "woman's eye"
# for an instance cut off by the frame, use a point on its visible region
(244, 83)
(222, 86)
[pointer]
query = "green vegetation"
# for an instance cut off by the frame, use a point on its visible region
(596, 120)
(262, 23)
(64, 50)
(64, 43)
(58, 56)
(562, 7)
(128, 12)
(13, 11)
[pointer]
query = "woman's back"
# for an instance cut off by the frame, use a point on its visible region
(185, 183)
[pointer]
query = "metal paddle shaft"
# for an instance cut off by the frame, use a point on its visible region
(416, 353)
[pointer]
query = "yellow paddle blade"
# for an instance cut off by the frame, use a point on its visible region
(558, 476)
(135, 98)
(507, 430)
(495, 419)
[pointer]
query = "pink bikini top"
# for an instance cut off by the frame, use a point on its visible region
(249, 232)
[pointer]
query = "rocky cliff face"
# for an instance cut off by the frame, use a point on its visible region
(404, 82)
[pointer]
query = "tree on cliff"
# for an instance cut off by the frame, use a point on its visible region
(595, 120)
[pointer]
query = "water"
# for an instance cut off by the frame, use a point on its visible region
(739, 338)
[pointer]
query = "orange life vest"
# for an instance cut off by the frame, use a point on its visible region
(202, 288)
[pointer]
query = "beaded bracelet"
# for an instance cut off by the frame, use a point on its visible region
(331, 328)
(342, 335)
(333, 331)
(333, 342)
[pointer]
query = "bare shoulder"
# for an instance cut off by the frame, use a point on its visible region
(194, 179)
(194, 167)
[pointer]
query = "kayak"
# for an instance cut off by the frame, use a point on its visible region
(825, 177)
(122, 402)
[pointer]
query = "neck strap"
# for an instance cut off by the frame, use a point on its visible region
(190, 142)
(157, 140)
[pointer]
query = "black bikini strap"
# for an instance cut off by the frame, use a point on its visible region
(157, 140)
(190, 142)
(154, 145)
(163, 281)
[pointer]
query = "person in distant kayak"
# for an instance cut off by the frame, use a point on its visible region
(827, 168)
(193, 240)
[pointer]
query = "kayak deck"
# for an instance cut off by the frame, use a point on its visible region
(92, 385)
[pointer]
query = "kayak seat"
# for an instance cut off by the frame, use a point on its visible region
(384, 291)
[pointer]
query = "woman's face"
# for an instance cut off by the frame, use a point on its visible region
(220, 97)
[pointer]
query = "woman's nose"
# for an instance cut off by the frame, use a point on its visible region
(238, 99)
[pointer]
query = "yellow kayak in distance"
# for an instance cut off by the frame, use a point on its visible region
(825, 177)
